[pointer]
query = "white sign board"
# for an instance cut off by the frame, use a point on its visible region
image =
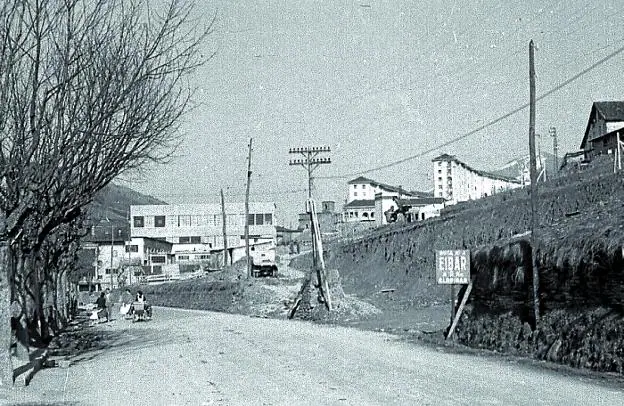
(452, 267)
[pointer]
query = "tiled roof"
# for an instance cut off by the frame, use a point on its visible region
(390, 188)
(358, 204)
(447, 157)
(608, 110)
(421, 201)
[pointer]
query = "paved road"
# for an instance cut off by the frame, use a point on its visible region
(201, 358)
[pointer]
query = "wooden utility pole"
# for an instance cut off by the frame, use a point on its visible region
(247, 211)
(224, 218)
(533, 187)
(553, 133)
(310, 161)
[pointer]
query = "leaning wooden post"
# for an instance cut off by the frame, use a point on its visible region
(460, 310)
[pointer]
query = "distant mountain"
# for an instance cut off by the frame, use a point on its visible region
(114, 201)
(519, 167)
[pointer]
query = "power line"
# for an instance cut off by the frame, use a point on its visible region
(484, 126)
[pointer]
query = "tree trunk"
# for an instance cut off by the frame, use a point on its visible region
(6, 364)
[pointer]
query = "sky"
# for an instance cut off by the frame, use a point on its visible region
(379, 82)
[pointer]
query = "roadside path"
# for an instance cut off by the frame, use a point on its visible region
(185, 357)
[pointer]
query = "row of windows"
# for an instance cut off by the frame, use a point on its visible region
(190, 240)
(355, 186)
(366, 215)
(200, 220)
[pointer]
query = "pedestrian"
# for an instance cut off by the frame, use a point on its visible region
(126, 302)
(109, 303)
(101, 306)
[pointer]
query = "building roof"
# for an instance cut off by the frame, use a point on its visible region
(444, 157)
(423, 201)
(359, 204)
(390, 188)
(608, 111)
(453, 158)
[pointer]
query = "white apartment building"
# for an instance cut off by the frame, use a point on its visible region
(361, 194)
(194, 230)
(457, 182)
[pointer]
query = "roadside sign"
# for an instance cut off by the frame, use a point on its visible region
(452, 267)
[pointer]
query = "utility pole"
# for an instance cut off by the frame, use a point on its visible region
(225, 261)
(533, 186)
(310, 161)
(247, 211)
(111, 256)
(553, 133)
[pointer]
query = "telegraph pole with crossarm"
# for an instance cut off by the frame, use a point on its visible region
(310, 161)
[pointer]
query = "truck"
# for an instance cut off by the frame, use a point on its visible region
(263, 262)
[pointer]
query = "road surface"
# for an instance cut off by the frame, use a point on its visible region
(185, 357)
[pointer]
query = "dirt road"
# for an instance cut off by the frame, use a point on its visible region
(185, 357)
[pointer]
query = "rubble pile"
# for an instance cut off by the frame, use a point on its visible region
(344, 307)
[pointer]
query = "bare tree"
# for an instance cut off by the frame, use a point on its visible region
(88, 90)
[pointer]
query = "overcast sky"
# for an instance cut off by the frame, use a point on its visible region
(379, 81)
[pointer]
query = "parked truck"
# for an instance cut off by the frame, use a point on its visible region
(263, 262)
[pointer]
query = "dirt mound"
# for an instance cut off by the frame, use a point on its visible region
(344, 307)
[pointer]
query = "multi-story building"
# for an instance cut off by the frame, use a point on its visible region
(361, 195)
(196, 230)
(105, 245)
(456, 182)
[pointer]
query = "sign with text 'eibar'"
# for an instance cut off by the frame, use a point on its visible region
(452, 267)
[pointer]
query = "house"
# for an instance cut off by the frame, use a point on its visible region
(363, 195)
(604, 126)
(456, 182)
(195, 231)
(105, 244)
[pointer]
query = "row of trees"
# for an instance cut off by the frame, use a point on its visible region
(89, 89)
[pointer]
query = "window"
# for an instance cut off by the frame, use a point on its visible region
(183, 258)
(251, 219)
(363, 186)
(439, 170)
(259, 219)
(159, 221)
(440, 178)
(132, 248)
(139, 221)
(355, 194)
(439, 186)
(354, 186)
(158, 259)
(184, 221)
(268, 219)
(185, 240)
(195, 240)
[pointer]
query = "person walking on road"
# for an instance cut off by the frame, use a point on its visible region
(101, 305)
(109, 303)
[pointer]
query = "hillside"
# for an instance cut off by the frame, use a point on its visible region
(114, 201)
(519, 167)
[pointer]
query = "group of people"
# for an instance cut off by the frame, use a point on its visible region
(104, 304)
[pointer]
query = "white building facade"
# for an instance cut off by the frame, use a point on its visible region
(194, 230)
(362, 194)
(457, 182)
